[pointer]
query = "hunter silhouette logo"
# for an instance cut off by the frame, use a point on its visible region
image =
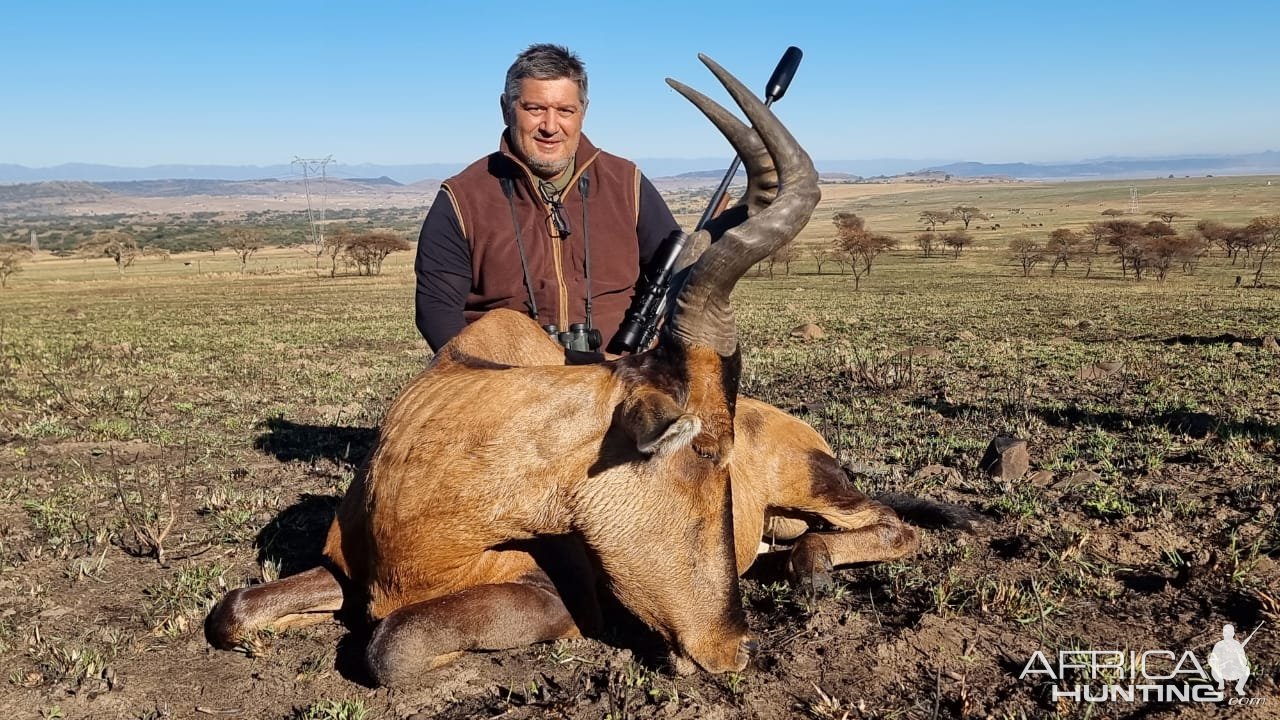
(1227, 661)
(1159, 675)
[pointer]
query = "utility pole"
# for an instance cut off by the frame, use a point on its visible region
(35, 243)
(1133, 199)
(311, 168)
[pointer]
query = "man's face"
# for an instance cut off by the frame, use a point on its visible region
(545, 123)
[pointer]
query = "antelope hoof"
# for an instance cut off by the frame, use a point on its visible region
(746, 649)
(223, 627)
(811, 567)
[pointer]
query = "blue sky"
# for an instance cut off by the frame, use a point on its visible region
(143, 83)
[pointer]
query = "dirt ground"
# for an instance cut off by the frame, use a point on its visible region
(168, 438)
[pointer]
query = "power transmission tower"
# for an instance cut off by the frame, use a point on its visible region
(1133, 199)
(311, 168)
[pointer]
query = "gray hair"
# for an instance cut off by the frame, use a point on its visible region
(545, 61)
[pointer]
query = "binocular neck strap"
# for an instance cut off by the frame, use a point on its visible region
(584, 185)
(508, 189)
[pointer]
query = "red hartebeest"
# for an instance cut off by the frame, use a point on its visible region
(501, 444)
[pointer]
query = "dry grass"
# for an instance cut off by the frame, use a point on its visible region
(227, 412)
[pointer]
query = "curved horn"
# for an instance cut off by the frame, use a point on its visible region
(781, 194)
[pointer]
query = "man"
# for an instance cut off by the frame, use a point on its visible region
(548, 225)
(1227, 661)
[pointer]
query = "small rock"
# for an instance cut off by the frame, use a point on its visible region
(1077, 479)
(1270, 345)
(857, 467)
(1006, 458)
(921, 351)
(948, 474)
(1237, 346)
(810, 407)
(1041, 478)
(1097, 371)
(808, 331)
(1060, 340)
(966, 336)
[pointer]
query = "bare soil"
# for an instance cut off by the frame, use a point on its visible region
(166, 437)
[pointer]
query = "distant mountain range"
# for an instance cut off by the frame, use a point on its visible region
(679, 168)
(403, 174)
(1253, 164)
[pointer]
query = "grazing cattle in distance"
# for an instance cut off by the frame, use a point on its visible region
(511, 473)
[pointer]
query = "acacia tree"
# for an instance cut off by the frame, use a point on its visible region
(1167, 216)
(1158, 253)
(1219, 233)
(967, 214)
(1097, 232)
(925, 241)
(821, 256)
(1192, 247)
(858, 245)
(786, 254)
(335, 241)
(862, 253)
(115, 244)
(244, 242)
(1027, 252)
(848, 223)
(1124, 237)
(11, 259)
(876, 244)
(934, 218)
(1113, 212)
(1155, 249)
(1063, 247)
(1265, 231)
(368, 250)
(842, 259)
(957, 241)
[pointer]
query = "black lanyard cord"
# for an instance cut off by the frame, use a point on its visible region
(508, 189)
(583, 186)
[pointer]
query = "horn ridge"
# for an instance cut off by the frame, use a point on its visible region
(782, 192)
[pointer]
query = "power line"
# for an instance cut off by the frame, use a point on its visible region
(311, 167)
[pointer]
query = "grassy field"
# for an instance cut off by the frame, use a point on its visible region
(189, 428)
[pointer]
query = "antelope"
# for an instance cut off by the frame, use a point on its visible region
(509, 453)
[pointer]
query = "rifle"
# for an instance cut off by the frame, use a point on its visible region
(640, 324)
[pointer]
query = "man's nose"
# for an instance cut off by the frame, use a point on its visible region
(550, 124)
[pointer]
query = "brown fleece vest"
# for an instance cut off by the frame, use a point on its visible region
(557, 266)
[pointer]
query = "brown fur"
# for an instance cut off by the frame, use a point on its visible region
(507, 443)
(631, 455)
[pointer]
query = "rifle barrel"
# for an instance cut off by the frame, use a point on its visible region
(777, 87)
(1255, 630)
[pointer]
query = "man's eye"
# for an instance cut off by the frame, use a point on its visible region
(568, 112)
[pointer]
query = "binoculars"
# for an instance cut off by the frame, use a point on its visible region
(577, 337)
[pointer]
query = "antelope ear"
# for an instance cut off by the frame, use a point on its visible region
(657, 424)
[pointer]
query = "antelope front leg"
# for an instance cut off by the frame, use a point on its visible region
(815, 555)
(429, 634)
(869, 531)
(309, 597)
